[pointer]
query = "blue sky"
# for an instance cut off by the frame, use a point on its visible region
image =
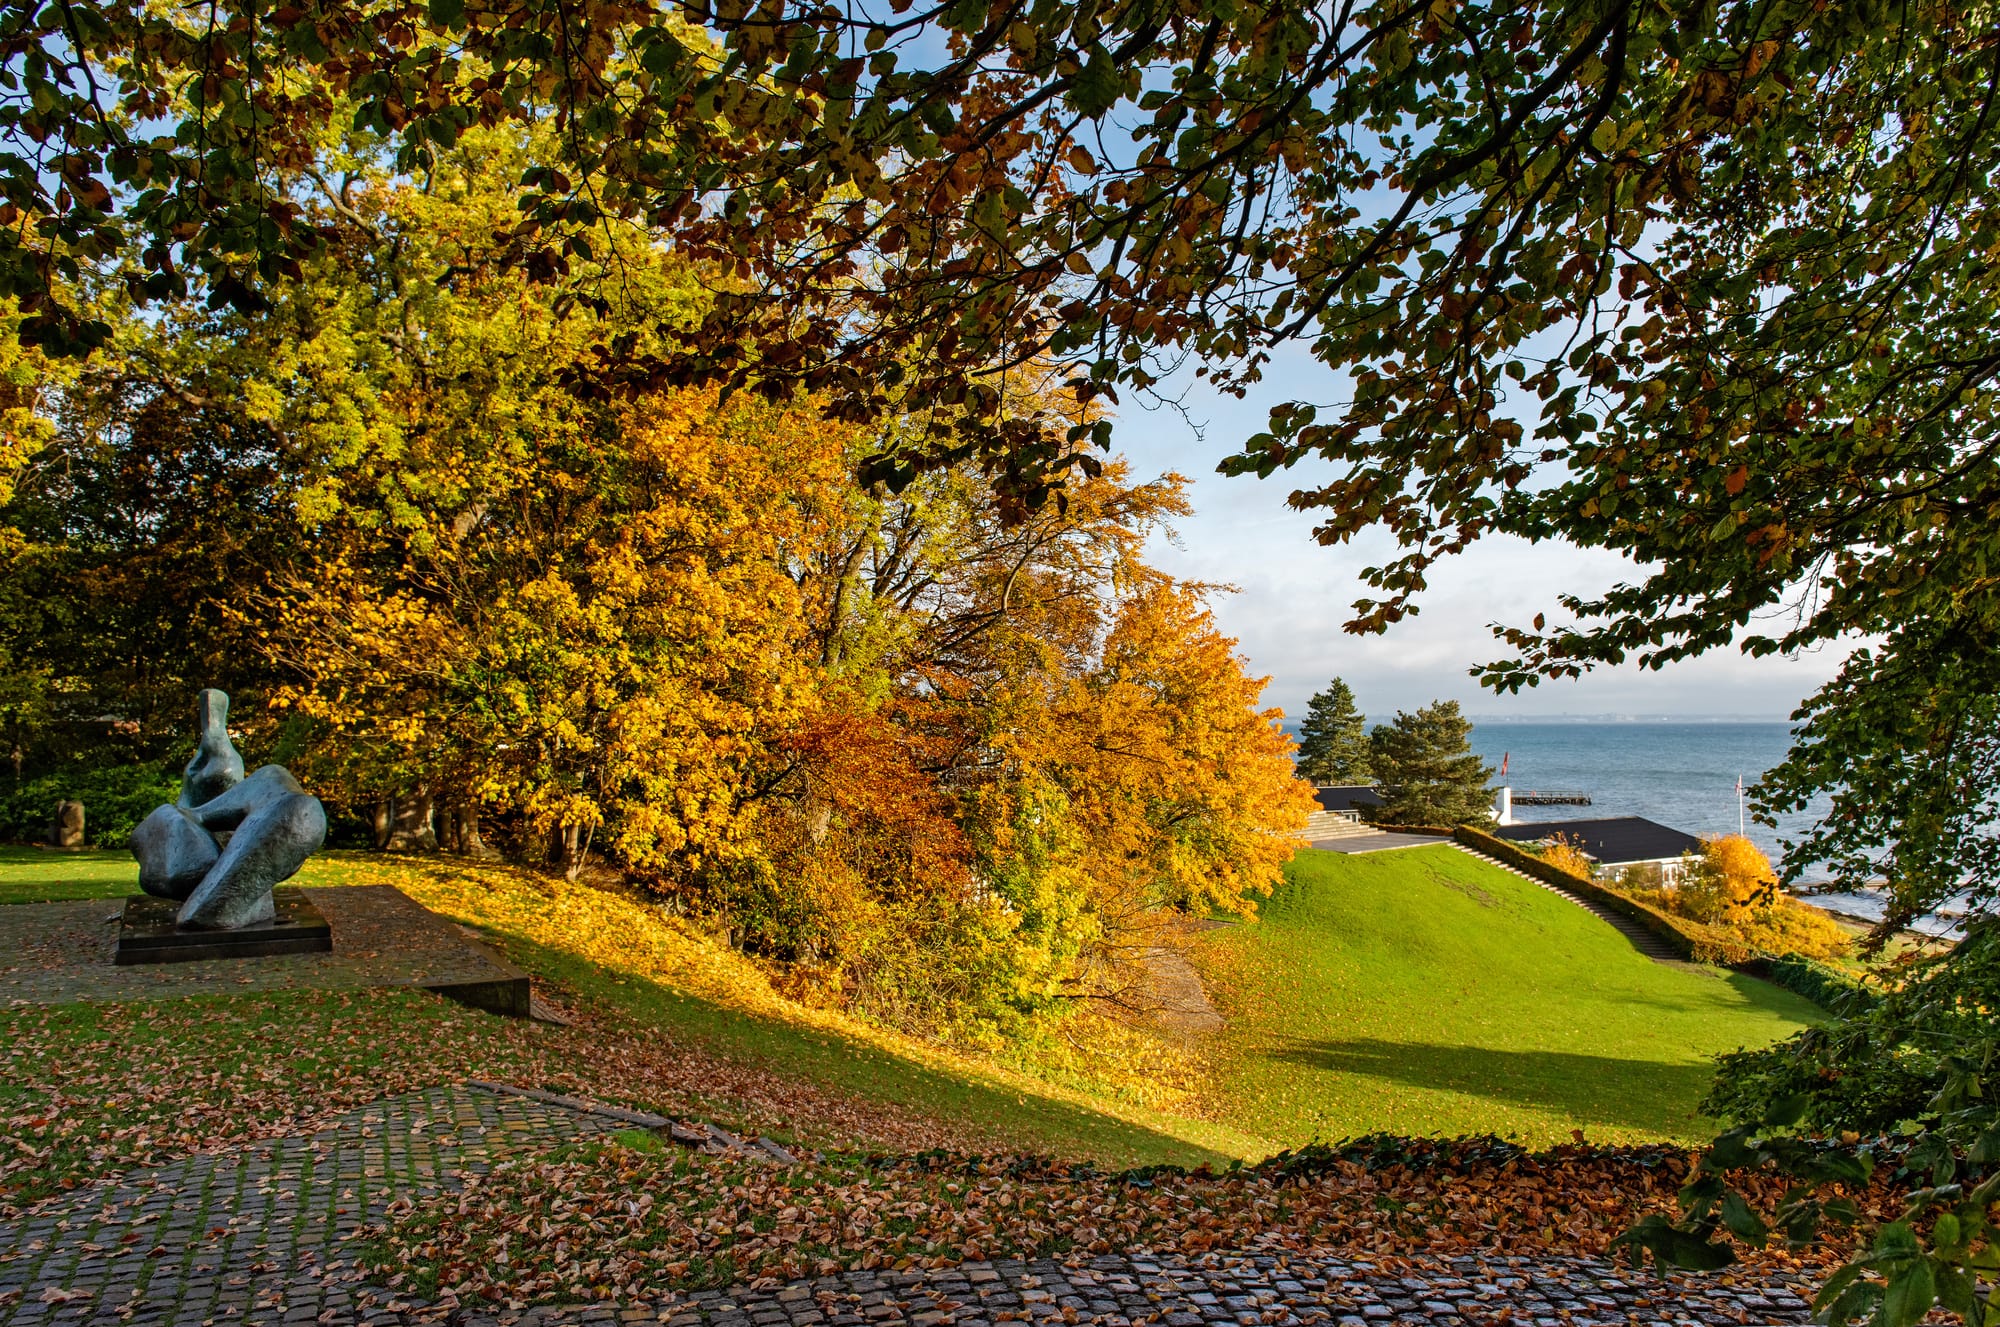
(1293, 595)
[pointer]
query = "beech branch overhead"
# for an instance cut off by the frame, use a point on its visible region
(1704, 283)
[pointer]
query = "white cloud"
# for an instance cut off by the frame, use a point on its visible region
(1294, 596)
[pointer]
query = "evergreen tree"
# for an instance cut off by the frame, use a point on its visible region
(1426, 770)
(1333, 741)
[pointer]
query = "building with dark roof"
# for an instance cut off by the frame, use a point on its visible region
(1348, 797)
(1613, 842)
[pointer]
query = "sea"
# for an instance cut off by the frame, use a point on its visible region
(1680, 772)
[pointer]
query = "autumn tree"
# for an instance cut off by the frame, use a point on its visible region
(1563, 854)
(1730, 879)
(934, 761)
(135, 521)
(1426, 770)
(1650, 189)
(1333, 740)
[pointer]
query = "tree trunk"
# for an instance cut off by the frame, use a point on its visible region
(572, 849)
(411, 823)
(382, 822)
(458, 831)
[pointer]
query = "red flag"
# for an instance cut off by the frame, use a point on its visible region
(1503, 762)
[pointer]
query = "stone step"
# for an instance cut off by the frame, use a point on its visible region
(1329, 825)
(1643, 940)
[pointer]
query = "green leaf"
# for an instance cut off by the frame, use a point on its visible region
(1743, 1223)
(1896, 1240)
(1098, 85)
(1910, 1293)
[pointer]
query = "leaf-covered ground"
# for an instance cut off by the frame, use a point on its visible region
(87, 1090)
(625, 1220)
(666, 1020)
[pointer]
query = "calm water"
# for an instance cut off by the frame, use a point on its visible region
(1678, 773)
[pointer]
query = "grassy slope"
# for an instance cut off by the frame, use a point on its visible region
(615, 953)
(1419, 991)
(1425, 991)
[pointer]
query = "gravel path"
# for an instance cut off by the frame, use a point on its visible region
(255, 1235)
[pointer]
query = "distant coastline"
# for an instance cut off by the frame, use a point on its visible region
(1498, 720)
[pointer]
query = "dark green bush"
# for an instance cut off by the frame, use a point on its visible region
(1913, 1055)
(1824, 986)
(115, 799)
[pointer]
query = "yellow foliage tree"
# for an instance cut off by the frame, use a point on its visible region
(1564, 855)
(1732, 885)
(928, 756)
(603, 640)
(1731, 880)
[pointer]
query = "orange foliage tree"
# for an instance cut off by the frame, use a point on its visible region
(929, 762)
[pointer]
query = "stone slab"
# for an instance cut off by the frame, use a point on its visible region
(1378, 841)
(60, 953)
(149, 933)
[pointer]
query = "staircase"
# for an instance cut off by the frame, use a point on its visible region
(1643, 940)
(1322, 825)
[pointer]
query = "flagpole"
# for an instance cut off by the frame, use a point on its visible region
(1739, 806)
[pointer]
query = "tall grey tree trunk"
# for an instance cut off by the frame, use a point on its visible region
(412, 827)
(572, 849)
(458, 830)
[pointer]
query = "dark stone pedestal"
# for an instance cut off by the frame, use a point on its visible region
(147, 933)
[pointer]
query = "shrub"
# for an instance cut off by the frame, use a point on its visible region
(1732, 888)
(1564, 855)
(115, 799)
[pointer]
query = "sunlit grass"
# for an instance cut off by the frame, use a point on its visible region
(1424, 991)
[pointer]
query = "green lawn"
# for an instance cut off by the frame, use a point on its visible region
(1425, 991)
(1419, 991)
(34, 875)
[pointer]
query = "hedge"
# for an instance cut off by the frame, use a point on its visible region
(1824, 986)
(115, 799)
(1689, 939)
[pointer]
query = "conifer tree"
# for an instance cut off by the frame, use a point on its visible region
(1333, 740)
(1426, 770)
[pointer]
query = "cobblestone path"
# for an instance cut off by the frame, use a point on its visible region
(250, 1234)
(1218, 1291)
(253, 1236)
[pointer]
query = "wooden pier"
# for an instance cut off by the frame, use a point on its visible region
(1535, 798)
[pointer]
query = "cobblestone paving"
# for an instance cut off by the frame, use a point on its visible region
(254, 1236)
(1217, 1291)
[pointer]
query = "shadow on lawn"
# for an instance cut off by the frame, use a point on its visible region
(1592, 1089)
(1010, 1115)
